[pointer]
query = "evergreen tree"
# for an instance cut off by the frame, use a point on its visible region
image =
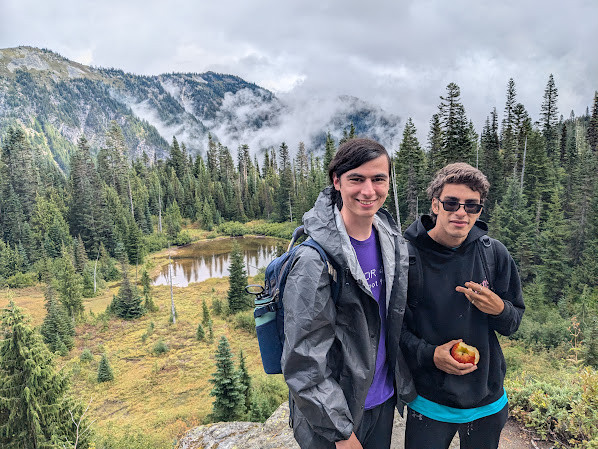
(435, 139)
(69, 285)
(18, 170)
(105, 373)
(456, 144)
(549, 116)
(149, 304)
(35, 406)
(329, 151)
(210, 332)
(127, 303)
(200, 334)
(80, 256)
(410, 171)
(237, 297)
(593, 127)
(228, 398)
(174, 221)
(244, 383)
(283, 193)
(555, 269)
(88, 209)
(205, 313)
(57, 329)
(491, 163)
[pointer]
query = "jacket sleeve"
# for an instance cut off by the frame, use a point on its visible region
(310, 315)
(414, 347)
(508, 287)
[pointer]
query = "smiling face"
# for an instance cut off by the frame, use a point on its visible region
(363, 191)
(452, 228)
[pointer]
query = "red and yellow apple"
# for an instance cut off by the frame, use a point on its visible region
(464, 353)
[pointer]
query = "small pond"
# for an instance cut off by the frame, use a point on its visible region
(208, 259)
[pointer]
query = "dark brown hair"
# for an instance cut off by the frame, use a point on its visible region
(351, 154)
(459, 173)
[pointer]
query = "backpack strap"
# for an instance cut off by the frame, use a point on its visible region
(332, 271)
(415, 281)
(487, 253)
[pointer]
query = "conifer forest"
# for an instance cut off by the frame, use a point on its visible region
(70, 232)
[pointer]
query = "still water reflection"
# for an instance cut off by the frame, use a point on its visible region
(204, 260)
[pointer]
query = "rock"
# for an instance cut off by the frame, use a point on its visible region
(275, 433)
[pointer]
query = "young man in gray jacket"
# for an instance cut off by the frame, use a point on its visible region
(344, 375)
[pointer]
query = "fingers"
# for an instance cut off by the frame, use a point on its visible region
(444, 361)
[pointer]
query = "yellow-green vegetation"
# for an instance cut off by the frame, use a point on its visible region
(551, 392)
(156, 395)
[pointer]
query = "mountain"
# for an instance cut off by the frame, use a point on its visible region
(57, 100)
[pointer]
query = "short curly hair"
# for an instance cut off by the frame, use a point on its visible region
(459, 173)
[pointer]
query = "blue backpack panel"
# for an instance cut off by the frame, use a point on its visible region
(269, 307)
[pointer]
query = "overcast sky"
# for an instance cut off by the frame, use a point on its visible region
(399, 55)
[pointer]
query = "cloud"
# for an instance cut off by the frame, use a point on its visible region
(399, 55)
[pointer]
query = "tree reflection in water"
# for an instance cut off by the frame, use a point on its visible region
(204, 260)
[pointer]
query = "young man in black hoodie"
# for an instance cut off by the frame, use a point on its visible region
(456, 301)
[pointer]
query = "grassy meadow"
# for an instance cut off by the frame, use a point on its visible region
(153, 399)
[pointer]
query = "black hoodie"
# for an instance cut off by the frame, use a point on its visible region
(443, 314)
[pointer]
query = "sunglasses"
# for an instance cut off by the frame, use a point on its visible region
(453, 206)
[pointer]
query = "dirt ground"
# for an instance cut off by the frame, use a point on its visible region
(514, 437)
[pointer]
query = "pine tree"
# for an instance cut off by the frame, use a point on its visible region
(593, 127)
(227, 395)
(88, 209)
(127, 303)
(149, 304)
(457, 145)
(200, 334)
(244, 383)
(105, 373)
(35, 406)
(329, 151)
(555, 269)
(174, 221)
(69, 286)
(205, 313)
(283, 193)
(80, 256)
(57, 329)
(435, 139)
(410, 171)
(491, 163)
(237, 297)
(549, 116)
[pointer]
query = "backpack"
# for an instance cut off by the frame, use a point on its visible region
(269, 307)
(415, 280)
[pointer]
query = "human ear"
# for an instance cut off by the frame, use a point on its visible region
(336, 182)
(435, 206)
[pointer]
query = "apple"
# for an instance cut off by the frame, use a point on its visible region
(464, 353)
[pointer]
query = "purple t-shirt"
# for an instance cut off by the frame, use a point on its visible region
(370, 259)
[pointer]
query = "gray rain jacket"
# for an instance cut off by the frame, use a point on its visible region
(329, 354)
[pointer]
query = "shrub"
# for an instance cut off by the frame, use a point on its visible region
(182, 238)
(86, 356)
(160, 347)
(233, 229)
(21, 280)
(245, 321)
(217, 306)
(155, 242)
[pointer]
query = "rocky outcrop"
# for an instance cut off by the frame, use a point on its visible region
(275, 433)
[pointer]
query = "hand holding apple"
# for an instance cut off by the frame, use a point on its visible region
(464, 353)
(444, 361)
